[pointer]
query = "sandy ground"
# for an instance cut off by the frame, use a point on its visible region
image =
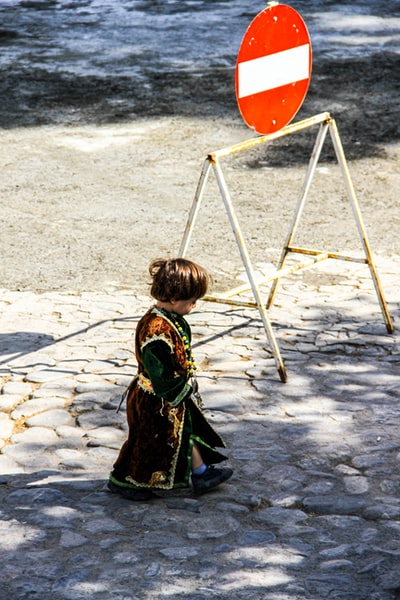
(97, 180)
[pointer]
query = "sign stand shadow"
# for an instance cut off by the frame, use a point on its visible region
(326, 123)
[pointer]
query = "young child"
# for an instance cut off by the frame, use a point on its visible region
(169, 438)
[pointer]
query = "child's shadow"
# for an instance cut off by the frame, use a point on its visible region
(20, 343)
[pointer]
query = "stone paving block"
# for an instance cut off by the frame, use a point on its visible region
(6, 426)
(59, 386)
(9, 401)
(31, 456)
(37, 405)
(8, 465)
(39, 437)
(107, 434)
(16, 388)
(98, 386)
(50, 418)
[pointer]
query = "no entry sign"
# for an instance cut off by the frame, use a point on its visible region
(273, 68)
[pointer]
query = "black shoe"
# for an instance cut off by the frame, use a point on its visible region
(140, 495)
(210, 479)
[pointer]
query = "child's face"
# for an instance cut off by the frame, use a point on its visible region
(183, 307)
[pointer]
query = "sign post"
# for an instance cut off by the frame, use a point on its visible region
(272, 76)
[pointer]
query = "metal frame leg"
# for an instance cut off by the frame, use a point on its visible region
(194, 211)
(319, 142)
(337, 144)
(249, 268)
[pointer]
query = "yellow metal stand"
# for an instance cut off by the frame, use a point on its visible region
(326, 123)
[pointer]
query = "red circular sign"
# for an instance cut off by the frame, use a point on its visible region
(273, 69)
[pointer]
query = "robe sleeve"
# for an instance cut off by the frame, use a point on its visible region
(160, 367)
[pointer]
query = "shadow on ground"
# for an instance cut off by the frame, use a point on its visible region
(366, 108)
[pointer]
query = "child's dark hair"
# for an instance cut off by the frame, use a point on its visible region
(177, 279)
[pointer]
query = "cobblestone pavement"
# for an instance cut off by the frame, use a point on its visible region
(313, 508)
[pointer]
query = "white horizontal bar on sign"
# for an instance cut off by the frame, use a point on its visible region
(274, 70)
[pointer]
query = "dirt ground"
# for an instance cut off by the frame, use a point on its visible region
(98, 176)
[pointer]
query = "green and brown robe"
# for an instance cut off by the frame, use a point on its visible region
(163, 420)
